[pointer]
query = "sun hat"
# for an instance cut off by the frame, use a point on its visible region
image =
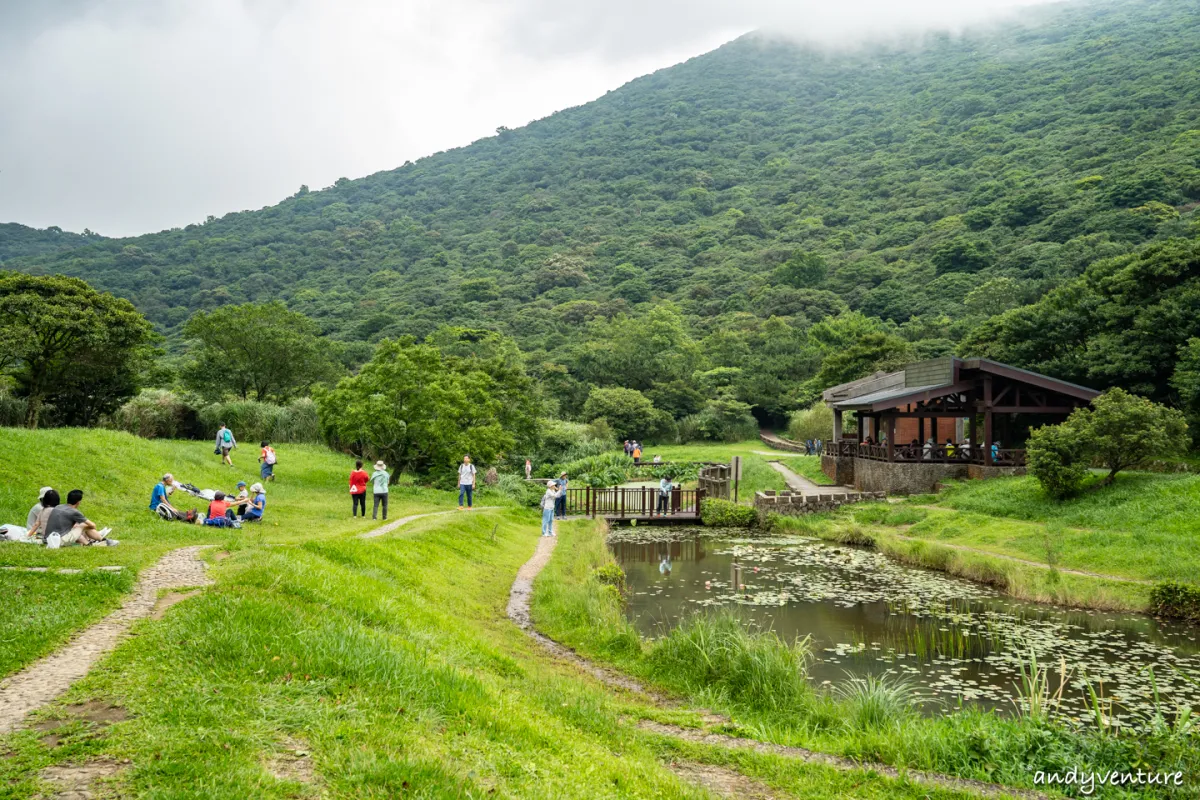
(563, 475)
(551, 485)
(380, 465)
(241, 484)
(258, 489)
(42, 492)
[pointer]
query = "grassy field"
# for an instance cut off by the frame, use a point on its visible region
(337, 667)
(116, 471)
(757, 474)
(712, 660)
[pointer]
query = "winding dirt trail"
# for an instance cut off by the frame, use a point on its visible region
(48, 677)
(391, 526)
(518, 611)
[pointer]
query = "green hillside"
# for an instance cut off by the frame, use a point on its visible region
(21, 240)
(930, 187)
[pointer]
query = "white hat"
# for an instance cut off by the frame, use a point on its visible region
(258, 489)
(42, 492)
(380, 465)
(551, 484)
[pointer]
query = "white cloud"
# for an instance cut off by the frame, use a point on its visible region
(133, 115)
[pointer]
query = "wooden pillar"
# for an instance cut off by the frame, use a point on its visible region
(837, 425)
(921, 430)
(987, 420)
(858, 415)
(971, 436)
(891, 436)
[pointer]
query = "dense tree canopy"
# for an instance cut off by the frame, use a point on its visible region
(751, 196)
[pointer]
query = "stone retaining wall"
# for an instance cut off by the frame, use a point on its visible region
(903, 477)
(839, 469)
(779, 443)
(795, 504)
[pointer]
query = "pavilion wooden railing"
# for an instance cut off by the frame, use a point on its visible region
(638, 501)
(935, 454)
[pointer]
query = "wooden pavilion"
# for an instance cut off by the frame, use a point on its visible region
(946, 417)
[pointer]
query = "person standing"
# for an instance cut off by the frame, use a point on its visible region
(358, 489)
(665, 488)
(560, 505)
(466, 482)
(549, 501)
(379, 485)
(225, 444)
(528, 469)
(628, 449)
(637, 453)
(267, 459)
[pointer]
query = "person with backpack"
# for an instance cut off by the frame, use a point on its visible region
(225, 444)
(267, 459)
(466, 482)
(379, 484)
(358, 490)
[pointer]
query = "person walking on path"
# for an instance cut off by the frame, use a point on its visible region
(637, 453)
(267, 459)
(528, 469)
(225, 444)
(628, 449)
(560, 505)
(549, 501)
(466, 482)
(358, 490)
(379, 483)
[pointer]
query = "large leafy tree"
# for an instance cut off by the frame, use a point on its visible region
(628, 412)
(262, 351)
(67, 344)
(421, 410)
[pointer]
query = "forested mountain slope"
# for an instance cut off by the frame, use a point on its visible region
(21, 240)
(928, 186)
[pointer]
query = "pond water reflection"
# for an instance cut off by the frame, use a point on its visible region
(954, 640)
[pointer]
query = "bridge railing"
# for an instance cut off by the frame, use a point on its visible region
(639, 501)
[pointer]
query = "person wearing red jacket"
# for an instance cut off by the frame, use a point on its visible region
(358, 489)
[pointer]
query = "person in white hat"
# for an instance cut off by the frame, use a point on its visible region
(379, 482)
(32, 516)
(548, 501)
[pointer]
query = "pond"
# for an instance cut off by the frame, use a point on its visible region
(953, 640)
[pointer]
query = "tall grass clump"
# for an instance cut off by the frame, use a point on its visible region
(715, 654)
(157, 414)
(251, 420)
(875, 701)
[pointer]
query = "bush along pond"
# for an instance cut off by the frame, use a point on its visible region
(953, 642)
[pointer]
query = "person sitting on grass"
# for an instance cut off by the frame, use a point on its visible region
(258, 505)
(159, 503)
(219, 513)
(34, 512)
(72, 527)
(48, 502)
(241, 499)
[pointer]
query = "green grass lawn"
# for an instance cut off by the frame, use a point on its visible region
(757, 474)
(309, 499)
(390, 665)
(1146, 526)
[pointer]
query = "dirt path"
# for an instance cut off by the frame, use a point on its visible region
(799, 483)
(391, 526)
(719, 780)
(47, 678)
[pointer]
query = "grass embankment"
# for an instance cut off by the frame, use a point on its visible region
(757, 474)
(309, 499)
(715, 662)
(342, 667)
(1103, 550)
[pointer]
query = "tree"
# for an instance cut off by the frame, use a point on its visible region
(1054, 457)
(638, 353)
(262, 350)
(801, 271)
(1186, 381)
(64, 342)
(415, 410)
(628, 412)
(1123, 431)
(873, 351)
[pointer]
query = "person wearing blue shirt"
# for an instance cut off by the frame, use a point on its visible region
(159, 496)
(258, 505)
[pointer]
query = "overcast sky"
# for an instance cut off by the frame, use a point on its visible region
(129, 116)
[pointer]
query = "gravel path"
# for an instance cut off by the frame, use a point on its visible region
(799, 483)
(391, 526)
(720, 781)
(45, 679)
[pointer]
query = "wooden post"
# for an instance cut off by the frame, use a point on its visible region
(858, 415)
(971, 436)
(891, 434)
(621, 492)
(987, 420)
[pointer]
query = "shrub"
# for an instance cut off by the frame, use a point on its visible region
(874, 702)
(12, 410)
(628, 413)
(570, 441)
(726, 419)
(1178, 600)
(716, 513)
(716, 653)
(253, 421)
(611, 575)
(516, 489)
(1054, 458)
(1124, 431)
(158, 414)
(811, 423)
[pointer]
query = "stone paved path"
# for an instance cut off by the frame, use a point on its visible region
(799, 483)
(391, 526)
(45, 679)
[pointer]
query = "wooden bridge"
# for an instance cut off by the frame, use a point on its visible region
(640, 503)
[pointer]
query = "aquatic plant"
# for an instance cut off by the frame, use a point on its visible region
(875, 701)
(1034, 699)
